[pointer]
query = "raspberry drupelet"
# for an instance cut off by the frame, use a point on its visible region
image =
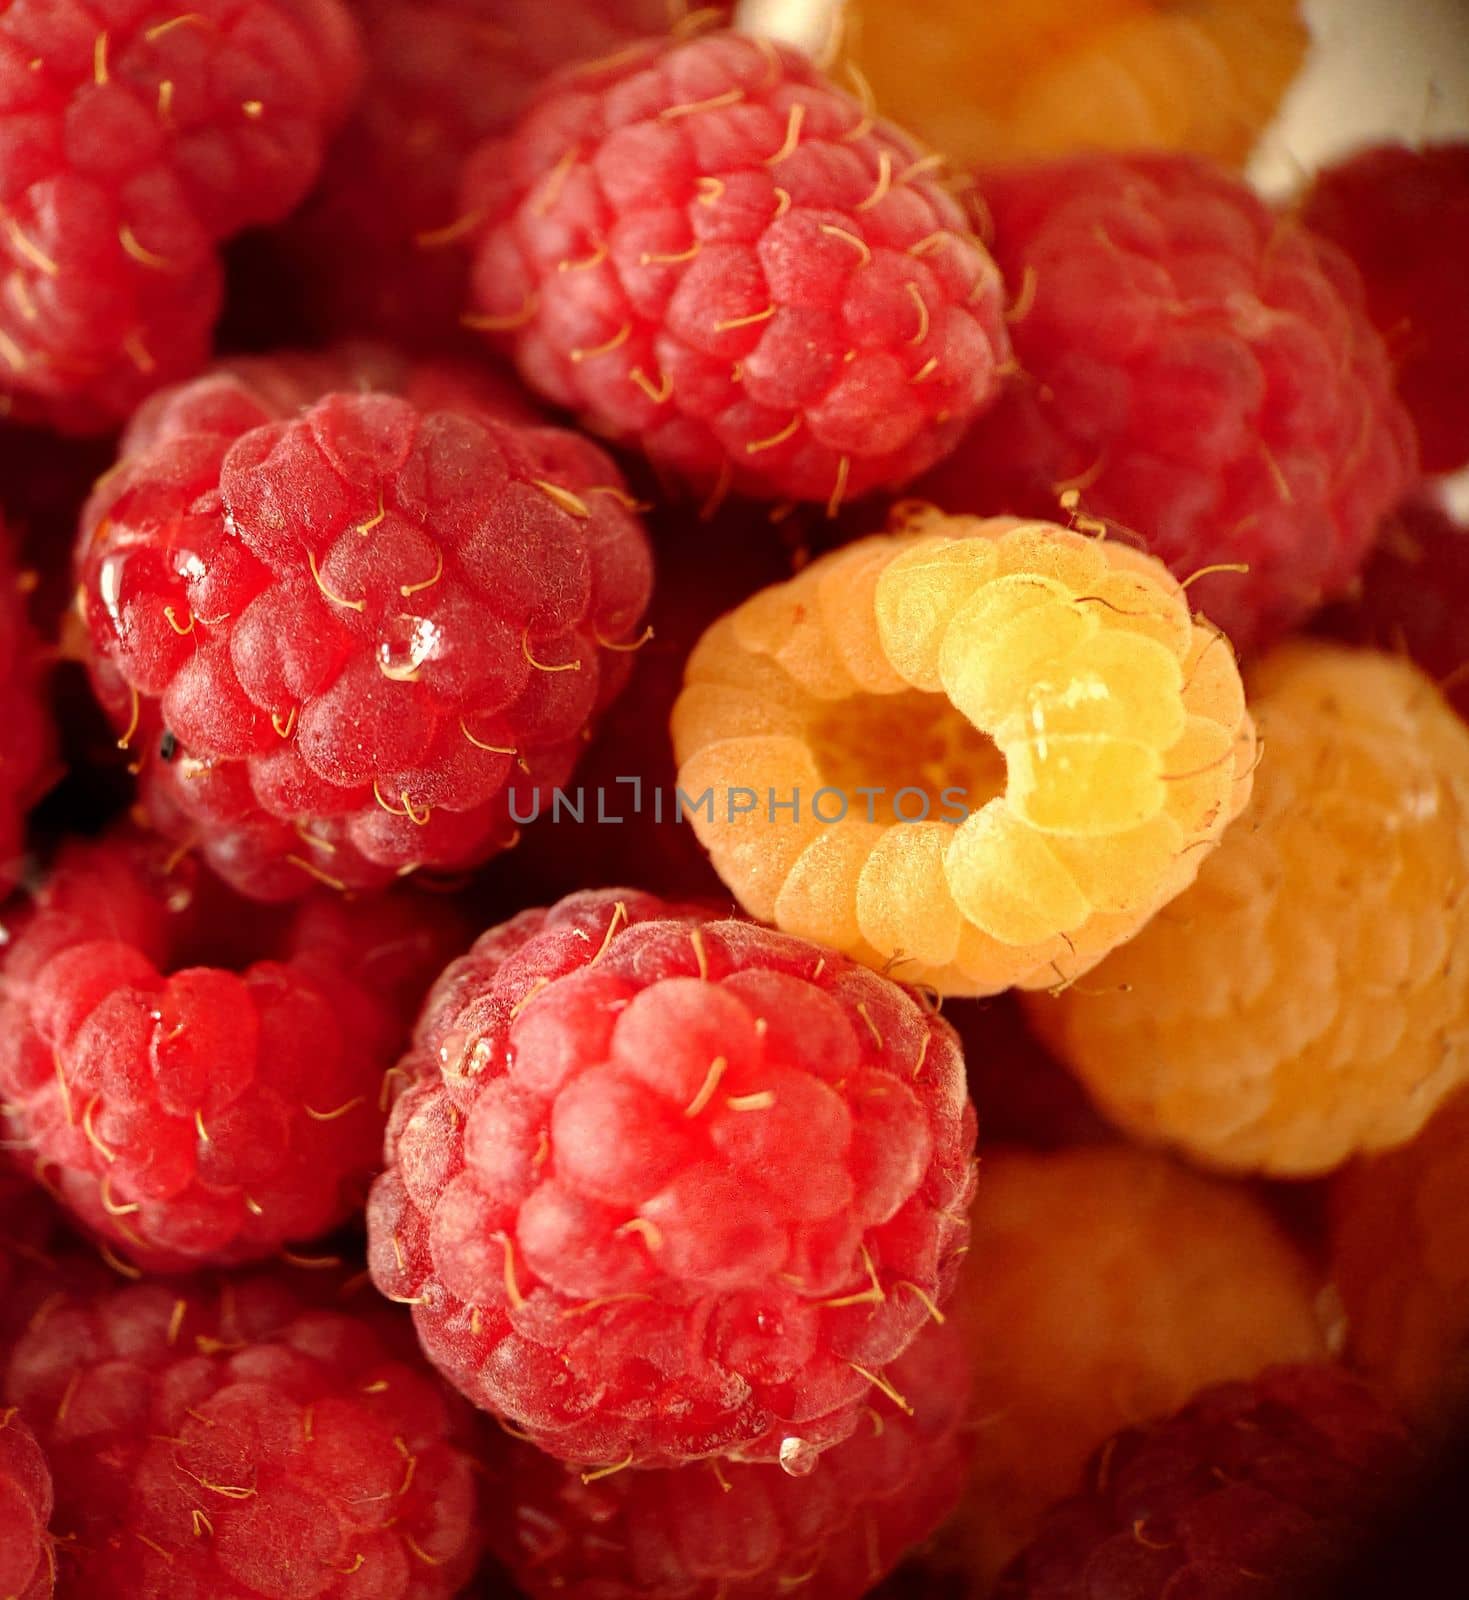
(662, 1187)
(1261, 1489)
(236, 1442)
(1307, 998)
(26, 1570)
(1103, 1288)
(136, 139)
(375, 246)
(188, 1113)
(1071, 741)
(744, 1531)
(341, 629)
(1196, 369)
(27, 760)
(1402, 215)
(1400, 1261)
(1046, 77)
(708, 248)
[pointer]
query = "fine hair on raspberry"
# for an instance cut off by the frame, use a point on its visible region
(663, 1186)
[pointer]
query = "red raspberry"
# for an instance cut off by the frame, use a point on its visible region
(745, 1531)
(26, 1572)
(241, 1444)
(1195, 368)
(1411, 597)
(665, 1187)
(135, 141)
(340, 636)
(188, 1113)
(375, 245)
(27, 765)
(1403, 217)
(1262, 1489)
(708, 248)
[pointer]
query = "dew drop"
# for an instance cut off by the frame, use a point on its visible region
(405, 644)
(797, 1456)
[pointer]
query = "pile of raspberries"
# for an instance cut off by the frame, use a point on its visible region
(426, 1171)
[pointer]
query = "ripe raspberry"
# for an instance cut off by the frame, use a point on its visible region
(746, 1531)
(1400, 1260)
(135, 142)
(664, 1187)
(1262, 1489)
(1411, 597)
(341, 636)
(1105, 1287)
(26, 1571)
(1197, 369)
(1306, 999)
(708, 248)
(1403, 217)
(1046, 77)
(27, 762)
(1095, 737)
(241, 1444)
(375, 245)
(187, 1113)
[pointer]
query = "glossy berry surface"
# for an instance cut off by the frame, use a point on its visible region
(236, 1442)
(662, 1186)
(135, 140)
(1195, 368)
(747, 1531)
(192, 1114)
(1302, 1002)
(339, 626)
(708, 248)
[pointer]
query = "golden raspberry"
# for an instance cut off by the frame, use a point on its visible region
(1046, 77)
(1006, 745)
(1400, 1260)
(1103, 1288)
(1308, 998)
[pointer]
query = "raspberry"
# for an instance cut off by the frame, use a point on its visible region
(1045, 78)
(27, 766)
(1096, 738)
(342, 627)
(1105, 1287)
(1195, 368)
(1400, 1260)
(25, 1509)
(375, 244)
(1411, 597)
(708, 248)
(1304, 1000)
(1262, 1489)
(136, 142)
(663, 1187)
(187, 1113)
(1403, 217)
(240, 1443)
(745, 1530)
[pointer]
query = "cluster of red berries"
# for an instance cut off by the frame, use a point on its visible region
(695, 1263)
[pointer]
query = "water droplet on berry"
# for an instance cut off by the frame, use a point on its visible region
(405, 644)
(109, 587)
(797, 1456)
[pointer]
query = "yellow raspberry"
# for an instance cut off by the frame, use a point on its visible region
(1104, 1287)
(1308, 998)
(1071, 742)
(1400, 1261)
(1046, 77)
